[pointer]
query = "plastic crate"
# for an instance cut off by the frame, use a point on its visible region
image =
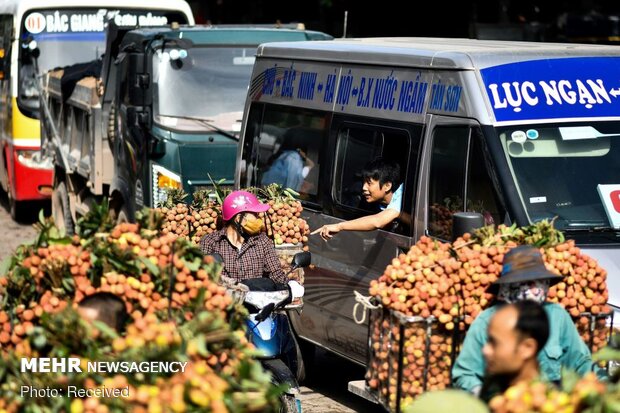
(408, 356)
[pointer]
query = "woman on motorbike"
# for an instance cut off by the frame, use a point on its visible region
(242, 243)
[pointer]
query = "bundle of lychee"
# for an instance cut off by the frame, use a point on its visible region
(583, 292)
(150, 271)
(424, 282)
(419, 291)
(192, 221)
(452, 279)
(220, 373)
(585, 394)
(449, 281)
(284, 216)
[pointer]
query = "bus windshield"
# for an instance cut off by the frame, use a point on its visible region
(68, 36)
(563, 171)
(207, 83)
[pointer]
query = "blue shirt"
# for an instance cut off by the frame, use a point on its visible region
(396, 201)
(564, 348)
(286, 170)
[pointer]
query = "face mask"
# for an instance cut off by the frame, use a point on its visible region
(535, 291)
(253, 226)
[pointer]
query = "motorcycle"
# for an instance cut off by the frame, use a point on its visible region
(269, 329)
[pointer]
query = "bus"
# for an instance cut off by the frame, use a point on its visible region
(519, 132)
(64, 32)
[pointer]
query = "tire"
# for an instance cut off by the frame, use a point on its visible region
(307, 352)
(288, 404)
(14, 207)
(280, 374)
(301, 362)
(61, 211)
(122, 216)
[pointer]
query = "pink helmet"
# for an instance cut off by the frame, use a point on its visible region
(241, 201)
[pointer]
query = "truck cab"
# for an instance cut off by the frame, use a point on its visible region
(168, 116)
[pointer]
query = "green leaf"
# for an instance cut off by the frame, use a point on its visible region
(6, 265)
(612, 406)
(194, 265)
(201, 347)
(153, 269)
(606, 354)
(68, 284)
(60, 241)
(569, 380)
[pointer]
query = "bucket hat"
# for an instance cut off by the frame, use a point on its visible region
(523, 264)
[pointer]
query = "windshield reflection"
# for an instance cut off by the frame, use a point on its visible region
(558, 170)
(56, 50)
(205, 83)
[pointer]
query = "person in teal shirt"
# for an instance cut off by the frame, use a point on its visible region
(525, 277)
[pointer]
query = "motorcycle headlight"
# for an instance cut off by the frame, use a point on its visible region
(163, 180)
(33, 159)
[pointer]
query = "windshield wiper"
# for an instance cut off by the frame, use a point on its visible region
(210, 124)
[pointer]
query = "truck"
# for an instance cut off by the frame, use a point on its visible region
(164, 112)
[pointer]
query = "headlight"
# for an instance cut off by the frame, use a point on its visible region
(33, 159)
(163, 180)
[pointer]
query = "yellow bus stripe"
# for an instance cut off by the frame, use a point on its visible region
(23, 126)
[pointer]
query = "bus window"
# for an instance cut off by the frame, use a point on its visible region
(481, 195)
(459, 171)
(356, 146)
(285, 149)
(447, 178)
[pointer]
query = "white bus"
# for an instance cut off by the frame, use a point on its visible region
(518, 131)
(65, 32)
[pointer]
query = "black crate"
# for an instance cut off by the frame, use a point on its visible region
(408, 356)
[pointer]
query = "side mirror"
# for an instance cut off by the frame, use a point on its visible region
(139, 86)
(301, 260)
(463, 222)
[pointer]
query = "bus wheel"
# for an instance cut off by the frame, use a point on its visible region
(60, 209)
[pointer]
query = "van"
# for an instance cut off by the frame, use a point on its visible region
(519, 132)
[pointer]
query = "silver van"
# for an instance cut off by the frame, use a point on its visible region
(517, 131)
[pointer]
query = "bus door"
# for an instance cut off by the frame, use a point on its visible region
(351, 259)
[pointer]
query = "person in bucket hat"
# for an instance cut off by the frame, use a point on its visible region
(524, 277)
(242, 243)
